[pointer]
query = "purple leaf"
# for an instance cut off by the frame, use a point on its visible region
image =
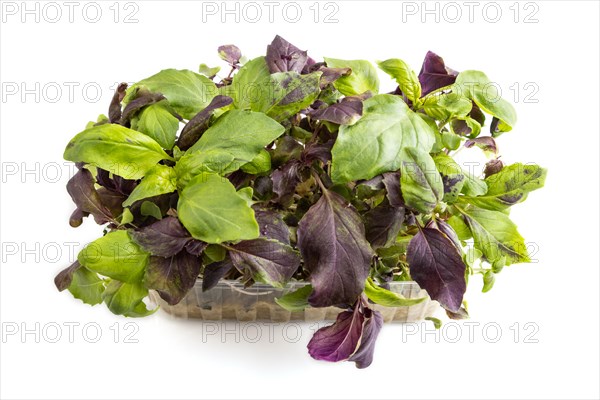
(116, 183)
(193, 130)
(271, 225)
(195, 247)
(331, 75)
(163, 238)
(343, 113)
(86, 198)
(143, 98)
(382, 224)
(331, 239)
(391, 181)
(352, 337)
(436, 265)
(65, 277)
(285, 180)
(282, 56)
(338, 342)
(485, 143)
(447, 230)
(114, 111)
(214, 272)
(173, 277)
(317, 151)
(493, 167)
(371, 326)
(269, 261)
(230, 53)
(434, 74)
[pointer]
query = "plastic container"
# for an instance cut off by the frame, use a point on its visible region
(229, 300)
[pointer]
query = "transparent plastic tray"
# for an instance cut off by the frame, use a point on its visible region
(229, 300)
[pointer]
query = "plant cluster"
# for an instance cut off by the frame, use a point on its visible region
(292, 169)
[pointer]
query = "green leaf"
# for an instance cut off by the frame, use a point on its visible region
(187, 91)
(207, 71)
(246, 86)
(213, 212)
(510, 186)
(405, 77)
(215, 252)
(437, 324)
(489, 278)
(194, 163)
(478, 87)
(387, 298)
(296, 300)
(159, 180)
(259, 164)
(496, 236)
(286, 93)
(122, 151)
(445, 106)
(126, 299)
(87, 286)
(115, 255)
(241, 133)
(247, 193)
(373, 145)
(362, 79)
(473, 185)
(159, 123)
(149, 209)
(126, 217)
(420, 182)
(453, 177)
(458, 224)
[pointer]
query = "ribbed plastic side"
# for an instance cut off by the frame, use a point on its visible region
(231, 301)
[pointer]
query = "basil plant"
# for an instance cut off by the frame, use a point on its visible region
(286, 168)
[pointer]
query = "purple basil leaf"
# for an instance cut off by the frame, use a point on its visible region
(331, 238)
(447, 230)
(269, 261)
(493, 167)
(114, 111)
(282, 56)
(193, 130)
(434, 74)
(317, 151)
(285, 180)
(112, 200)
(311, 66)
(343, 113)
(173, 277)
(163, 238)
(230, 53)
(363, 357)
(143, 99)
(214, 272)
(460, 314)
(65, 277)
(338, 342)
(271, 225)
(436, 265)
(391, 181)
(116, 183)
(382, 224)
(86, 198)
(195, 247)
(485, 143)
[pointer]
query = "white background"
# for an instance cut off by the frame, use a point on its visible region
(558, 55)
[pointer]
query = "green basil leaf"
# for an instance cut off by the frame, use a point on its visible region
(213, 212)
(149, 209)
(373, 144)
(115, 255)
(187, 91)
(362, 79)
(246, 87)
(509, 186)
(194, 163)
(420, 181)
(453, 177)
(446, 106)
(496, 236)
(286, 93)
(241, 133)
(122, 151)
(259, 164)
(126, 299)
(405, 77)
(86, 286)
(296, 300)
(159, 180)
(478, 87)
(489, 278)
(460, 227)
(159, 123)
(388, 298)
(473, 185)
